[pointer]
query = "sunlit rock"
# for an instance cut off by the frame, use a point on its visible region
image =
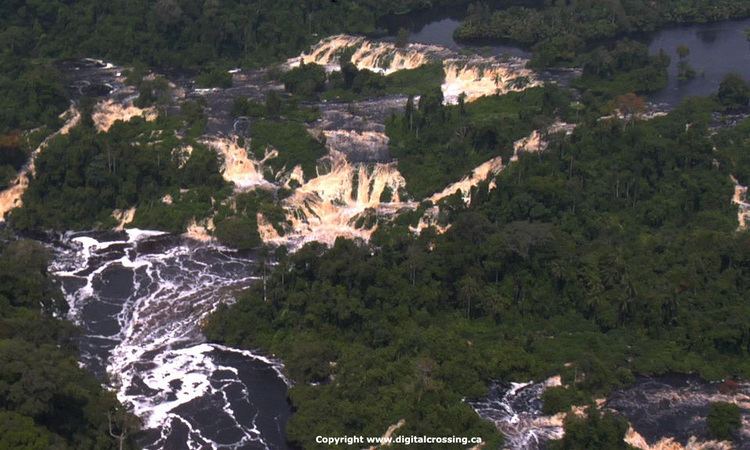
(107, 112)
(481, 173)
(238, 167)
(11, 197)
(743, 207)
(123, 217)
(478, 77)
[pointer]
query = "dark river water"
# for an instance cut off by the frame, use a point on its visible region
(716, 49)
(140, 298)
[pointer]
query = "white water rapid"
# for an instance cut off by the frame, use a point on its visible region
(140, 298)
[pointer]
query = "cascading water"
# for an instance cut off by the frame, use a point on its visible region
(743, 205)
(516, 410)
(140, 298)
(473, 76)
(11, 197)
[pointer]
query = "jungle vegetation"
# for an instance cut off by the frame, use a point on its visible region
(613, 253)
(46, 400)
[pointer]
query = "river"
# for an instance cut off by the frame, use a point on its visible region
(716, 49)
(140, 297)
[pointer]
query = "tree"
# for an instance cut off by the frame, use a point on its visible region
(685, 71)
(595, 431)
(468, 289)
(723, 420)
(630, 106)
(683, 51)
(402, 38)
(273, 104)
(734, 92)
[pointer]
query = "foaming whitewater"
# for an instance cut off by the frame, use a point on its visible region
(140, 298)
(740, 200)
(480, 173)
(478, 77)
(516, 411)
(376, 56)
(473, 76)
(665, 413)
(238, 167)
(109, 111)
(346, 201)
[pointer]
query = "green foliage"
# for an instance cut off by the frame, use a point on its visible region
(734, 148)
(32, 94)
(683, 51)
(560, 399)
(612, 253)
(169, 34)
(734, 92)
(306, 80)
(437, 145)
(685, 71)
(12, 157)
(597, 431)
(18, 431)
(152, 92)
(214, 78)
(352, 84)
(46, 399)
(724, 420)
(625, 67)
(559, 31)
(292, 141)
(84, 175)
(237, 226)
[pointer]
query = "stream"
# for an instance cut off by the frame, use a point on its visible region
(140, 297)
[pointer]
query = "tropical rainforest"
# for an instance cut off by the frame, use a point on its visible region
(46, 400)
(612, 254)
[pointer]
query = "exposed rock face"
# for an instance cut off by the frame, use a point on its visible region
(481, 173)
(238, 167)
(343, 202)
(11, 197)
(380, 57)
(107, 112)
(743, 206)
(475, 76)
(479, 77)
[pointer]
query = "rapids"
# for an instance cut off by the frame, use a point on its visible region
(665, 413)
(743, 205)
(475, 76)
(140, 298)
